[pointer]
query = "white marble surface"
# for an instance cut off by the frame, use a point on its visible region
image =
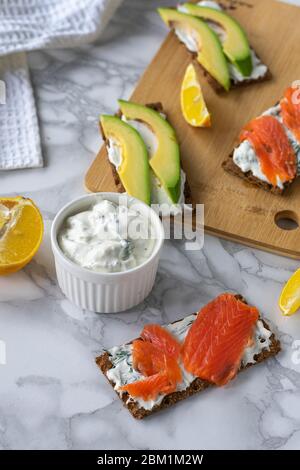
(51, 393)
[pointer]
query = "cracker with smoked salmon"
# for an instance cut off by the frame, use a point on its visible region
(170, 363)
(268, 154)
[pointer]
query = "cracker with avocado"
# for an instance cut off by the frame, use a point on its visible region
(218, 43)
(117, 179)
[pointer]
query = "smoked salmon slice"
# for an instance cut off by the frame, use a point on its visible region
(272, 147)
(215, 343)
(290, 110)
(146, 358)
(149, 360)
(151, 387)
(156, 357)
(158, 336)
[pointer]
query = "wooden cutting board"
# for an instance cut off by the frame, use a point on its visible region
(233, 209)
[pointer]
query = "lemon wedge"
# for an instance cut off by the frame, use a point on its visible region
(21, 233)
(193, 106)
(289, 301)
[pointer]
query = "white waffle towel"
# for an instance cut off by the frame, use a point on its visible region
(20, 145)
(36, 24)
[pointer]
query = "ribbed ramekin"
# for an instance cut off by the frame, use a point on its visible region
(105, 292)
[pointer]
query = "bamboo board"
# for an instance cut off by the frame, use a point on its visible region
(234, 210)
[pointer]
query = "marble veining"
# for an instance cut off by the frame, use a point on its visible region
(51, 393)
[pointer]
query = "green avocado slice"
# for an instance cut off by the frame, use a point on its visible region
(210, 53)
(235, 45)
(165, 162)
(134, 171)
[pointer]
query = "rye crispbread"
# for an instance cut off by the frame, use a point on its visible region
(232, 168)
(218, 88)
(196, 386)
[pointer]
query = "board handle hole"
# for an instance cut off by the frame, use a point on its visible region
(287, 220)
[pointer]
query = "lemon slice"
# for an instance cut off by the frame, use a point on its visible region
(289, 301)
(21, 233)
(193, 106)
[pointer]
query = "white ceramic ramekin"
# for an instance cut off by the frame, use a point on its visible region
(105, 292)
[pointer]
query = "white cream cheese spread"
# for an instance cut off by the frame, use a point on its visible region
(190, 41)
(261, 341)
(103, 238)
(188, 38)
(259, 70)
(146, 133)
(123, 372)
(245, 158)
(114, 151)
(158, 194)
(210, 4)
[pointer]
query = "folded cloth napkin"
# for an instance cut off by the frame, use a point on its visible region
(36, 24)
(20, 145)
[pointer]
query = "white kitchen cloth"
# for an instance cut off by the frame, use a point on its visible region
(36, 24)
(20, 145)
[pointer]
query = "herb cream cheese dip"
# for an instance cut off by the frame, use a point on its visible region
(107, 238)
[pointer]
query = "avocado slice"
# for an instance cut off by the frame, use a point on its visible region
(133, 170)
(235, 45)
(165, 162)
(210, 53)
